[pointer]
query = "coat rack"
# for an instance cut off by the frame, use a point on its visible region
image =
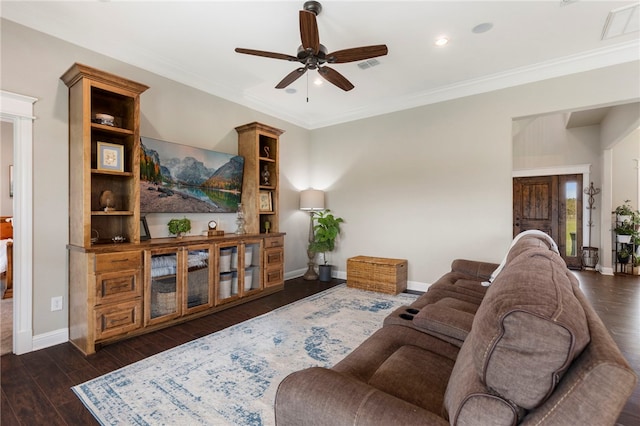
(590, 254)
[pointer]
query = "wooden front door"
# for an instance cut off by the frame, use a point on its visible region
(552, 204)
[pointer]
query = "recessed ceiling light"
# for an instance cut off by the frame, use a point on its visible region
(317, 81)
(482, 28)
(441, 41)
(290, 90)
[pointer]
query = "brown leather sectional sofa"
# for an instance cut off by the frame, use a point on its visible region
(527, 349)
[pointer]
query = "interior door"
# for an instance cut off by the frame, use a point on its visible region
(552, 204)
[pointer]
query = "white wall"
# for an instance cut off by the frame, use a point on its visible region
(434, 183)
(625, 170)
(428, 184)
(32, 64)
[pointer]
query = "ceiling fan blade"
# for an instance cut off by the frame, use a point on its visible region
(309, 31)
(334, 77)
(357, 54)
(291, 77)
(266, 54)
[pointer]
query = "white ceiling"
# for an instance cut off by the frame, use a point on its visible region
(193, 43)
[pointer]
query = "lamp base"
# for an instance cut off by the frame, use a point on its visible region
(311, 274)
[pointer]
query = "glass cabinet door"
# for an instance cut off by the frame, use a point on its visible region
(163, 280)
(227, 276)
(251, 267)
(198, 278)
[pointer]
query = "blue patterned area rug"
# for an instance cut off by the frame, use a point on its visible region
(230, 377)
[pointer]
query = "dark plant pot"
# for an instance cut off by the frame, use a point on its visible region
(325, 273)
(623, 260)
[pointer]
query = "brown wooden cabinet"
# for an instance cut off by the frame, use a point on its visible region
(259, 144)
(274, 261)
(120, 286)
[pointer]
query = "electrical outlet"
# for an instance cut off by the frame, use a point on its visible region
(56, 303)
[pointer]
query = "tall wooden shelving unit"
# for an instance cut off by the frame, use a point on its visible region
(92, 92)
(259, 144)
(105, 290)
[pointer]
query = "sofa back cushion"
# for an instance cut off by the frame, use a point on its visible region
(529, 328)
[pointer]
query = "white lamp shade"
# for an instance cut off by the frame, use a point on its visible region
(312, 200)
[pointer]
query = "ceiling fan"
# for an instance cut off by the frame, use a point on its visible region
(313, 55)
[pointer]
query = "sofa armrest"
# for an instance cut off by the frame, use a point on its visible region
(319, 396)
(479, 270)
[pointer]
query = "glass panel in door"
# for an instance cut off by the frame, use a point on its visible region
(198, 272)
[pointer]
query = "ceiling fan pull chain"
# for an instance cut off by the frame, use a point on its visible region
(307, 87)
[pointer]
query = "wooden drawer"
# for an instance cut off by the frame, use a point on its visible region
(114, 286)
(273, 257)
(273, 277)
(273, 242)
(118, 261)
(117, 319)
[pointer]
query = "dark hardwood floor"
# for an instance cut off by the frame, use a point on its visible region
(36, 386)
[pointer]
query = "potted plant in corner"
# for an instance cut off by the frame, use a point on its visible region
(623, 256)
(179, 227)
(326, 229)
(624, 212)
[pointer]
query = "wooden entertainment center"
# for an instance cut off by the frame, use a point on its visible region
(120, 286)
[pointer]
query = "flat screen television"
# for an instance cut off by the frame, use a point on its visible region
(177, 178)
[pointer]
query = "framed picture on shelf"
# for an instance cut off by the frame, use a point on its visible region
(110, 157)
(265, 201)
(144, 229)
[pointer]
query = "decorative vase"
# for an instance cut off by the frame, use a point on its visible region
(240, 220)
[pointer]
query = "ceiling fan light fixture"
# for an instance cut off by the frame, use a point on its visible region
(313, 56)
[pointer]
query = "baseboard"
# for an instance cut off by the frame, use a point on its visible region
(605, 271)
(51, 338)
(294, 274)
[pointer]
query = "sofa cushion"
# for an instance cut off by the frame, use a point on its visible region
(467, 401)
(448, 316)
(529, 328)
(423, 386)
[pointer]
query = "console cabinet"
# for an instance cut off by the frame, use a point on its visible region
(120, 286)
(123, 290)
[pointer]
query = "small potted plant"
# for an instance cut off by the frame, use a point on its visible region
(625, 231)
(624, 212)
(179, 227)
(326, 230)
(623, 256)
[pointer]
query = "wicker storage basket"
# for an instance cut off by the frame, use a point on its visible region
(377, 274)
(163, 297)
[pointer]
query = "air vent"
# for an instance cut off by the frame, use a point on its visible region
(368, 64)
(621, 21)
